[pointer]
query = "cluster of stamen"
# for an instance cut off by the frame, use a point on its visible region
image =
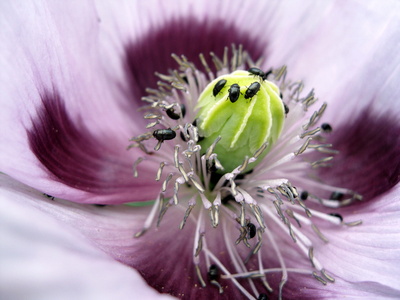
(272, 195)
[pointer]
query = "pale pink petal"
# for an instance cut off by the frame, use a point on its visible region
(43, 258)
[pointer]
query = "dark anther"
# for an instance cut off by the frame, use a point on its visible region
(219, 86)
(336, 196)
(326, 127)
(49, 196)
(262, 296)
(286, 108)
(100, 205)
(337, 216)
(164, 134)
(174, 115)
(252, 90)
(251, 230)
(213, 273)
(304, 195)
(234, 92)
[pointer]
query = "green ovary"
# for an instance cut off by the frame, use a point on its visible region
(245, 125)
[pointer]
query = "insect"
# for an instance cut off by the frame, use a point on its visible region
(164, 134)
(304, 195)
(251, 230)
(257, 72)
(326, 127)
(219, 86)
(262, 296)
(252, 90)
(175, 115)
(213, 272)
(234, 92)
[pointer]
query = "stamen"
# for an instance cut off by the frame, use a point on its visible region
(319, 278)
(198, 174)
(187, 213)
(310, 132)
(319, 233)
(160, 169)
(165, 183)
(198, 273)
(135, 165)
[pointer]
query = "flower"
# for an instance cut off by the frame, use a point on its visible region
(58, 140)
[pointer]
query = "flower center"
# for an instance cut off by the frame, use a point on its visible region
(239, 149)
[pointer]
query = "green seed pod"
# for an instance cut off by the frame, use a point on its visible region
(246, 112)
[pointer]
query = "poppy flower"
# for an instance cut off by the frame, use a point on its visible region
(107, 146)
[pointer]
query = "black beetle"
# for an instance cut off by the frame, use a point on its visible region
(213, 272)
(257, 72)
(173, 114)
(251, 230)
(219, 86)
(164, 134)
(234, 92)
(252, 90)
(326, 127)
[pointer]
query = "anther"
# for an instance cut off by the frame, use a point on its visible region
(183, 172)
(303, 147)
(152, 124)
(210, 149)
(152, 116)
(260, 150)
(196, 184)
(319, 278)
(242, 215)
(244, 165)
(162, 213)
(135, 165)
(176, 154)
(165, 183)
(187, 213)
(321, 162)
(354, 223)
(310, 132)
(199, 245)
(330, 278)
(319, 233)
(198, 272)
(258, 214)
(311, 256)
(159, 171)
